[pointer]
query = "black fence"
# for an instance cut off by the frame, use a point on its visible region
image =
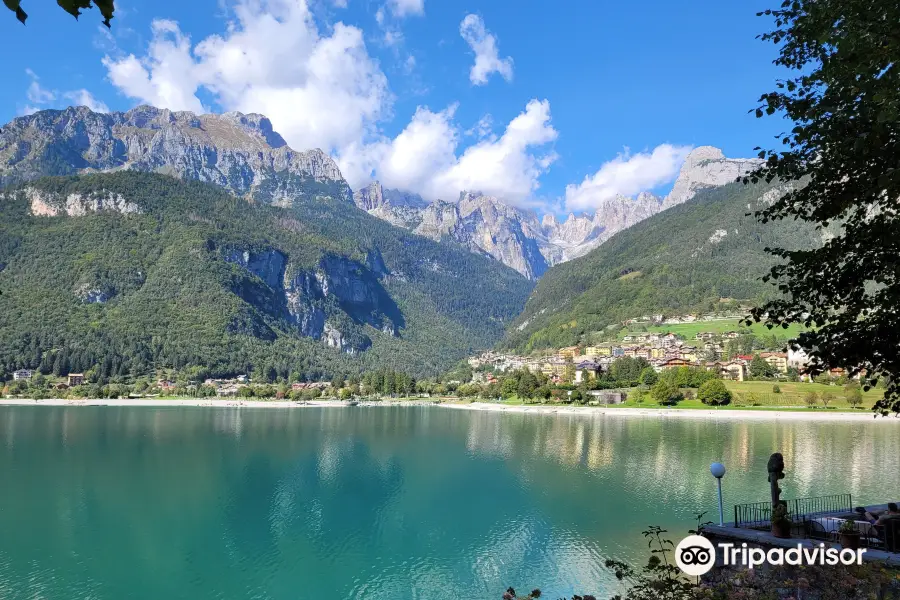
(875, 537)
(758, 515)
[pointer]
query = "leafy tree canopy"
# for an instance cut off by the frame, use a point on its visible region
(840, 164)
(73, 7)
(714, 393)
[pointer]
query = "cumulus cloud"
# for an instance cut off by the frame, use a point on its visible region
(83, 97)
(319, 90)
(484, 45)
(37, 94)
(425, 157)
(40, 98)
(627, 174)
(322, 89)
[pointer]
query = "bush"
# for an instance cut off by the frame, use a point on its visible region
(776, 389)
(854, 394)
(714, 393)
(811, 399)
(648, 376)
(666, 392)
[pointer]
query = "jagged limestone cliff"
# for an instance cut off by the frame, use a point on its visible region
(519, 239)
(241, 153)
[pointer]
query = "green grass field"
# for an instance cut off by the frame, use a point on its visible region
(689, 330)
(793, 394)
(792, 397)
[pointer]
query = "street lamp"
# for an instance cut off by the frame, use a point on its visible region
(718, 471)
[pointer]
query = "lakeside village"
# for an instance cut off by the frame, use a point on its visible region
(641, 368)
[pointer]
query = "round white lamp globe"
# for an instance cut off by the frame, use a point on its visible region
(717, 470)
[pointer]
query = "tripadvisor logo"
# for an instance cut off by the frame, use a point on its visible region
(696, 555)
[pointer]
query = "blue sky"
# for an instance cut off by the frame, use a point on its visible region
(521, 100)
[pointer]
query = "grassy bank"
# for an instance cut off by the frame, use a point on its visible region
(792, 397)
(689, 330)
(794, 394)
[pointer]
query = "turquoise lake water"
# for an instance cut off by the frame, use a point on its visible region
(405, 503)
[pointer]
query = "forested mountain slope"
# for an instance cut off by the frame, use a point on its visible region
(687, 258)
(131, 271)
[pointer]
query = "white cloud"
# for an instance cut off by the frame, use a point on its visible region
(83, 97)
(423, 157)
(627, 174)
(40, 98)
(167, 77)
(402, 8)
(393, 37)
(506, 166)
(322, 89)
(319, 90)
(36, 94)
(484, 45)
(483, 128)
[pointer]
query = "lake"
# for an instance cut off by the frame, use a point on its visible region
(384, 503)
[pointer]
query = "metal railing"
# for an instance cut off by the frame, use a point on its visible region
(759, 514)
(827, 529)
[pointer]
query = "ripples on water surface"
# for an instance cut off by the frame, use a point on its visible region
(405, 503)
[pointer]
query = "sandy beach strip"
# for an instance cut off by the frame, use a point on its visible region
(686, 413)
(592, 411)
(204, 402)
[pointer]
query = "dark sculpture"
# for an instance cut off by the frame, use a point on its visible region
(776, 472)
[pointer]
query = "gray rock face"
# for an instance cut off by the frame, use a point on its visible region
(704, 167)
(514, 236)
(401, 209)
(519, 239)
(331, 302)
(45, 204)
(487, 226)
(93, 295)
(241, 153)
(268, 265)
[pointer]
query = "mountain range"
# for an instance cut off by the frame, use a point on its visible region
(704, 255)
(150, 237)
(244, 154)
(530, 244)
(204, 243)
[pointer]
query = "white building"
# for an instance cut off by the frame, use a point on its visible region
(797, 359)
(22, 374)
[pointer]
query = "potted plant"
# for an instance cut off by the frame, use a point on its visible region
(849, 534)
(781, 524)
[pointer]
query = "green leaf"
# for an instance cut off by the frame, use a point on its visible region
(13, 5)
(74, 7)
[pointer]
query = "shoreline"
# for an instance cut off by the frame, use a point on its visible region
(207, 403)
(593, 411)
(688, 413)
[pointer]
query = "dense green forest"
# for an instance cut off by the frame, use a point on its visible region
(696, 257)
(191, 278)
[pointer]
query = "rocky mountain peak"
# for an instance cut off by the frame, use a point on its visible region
(256, 123)
(701, 153)
(548, 221)
(239, 152)
(369, 197)
(706, 166)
